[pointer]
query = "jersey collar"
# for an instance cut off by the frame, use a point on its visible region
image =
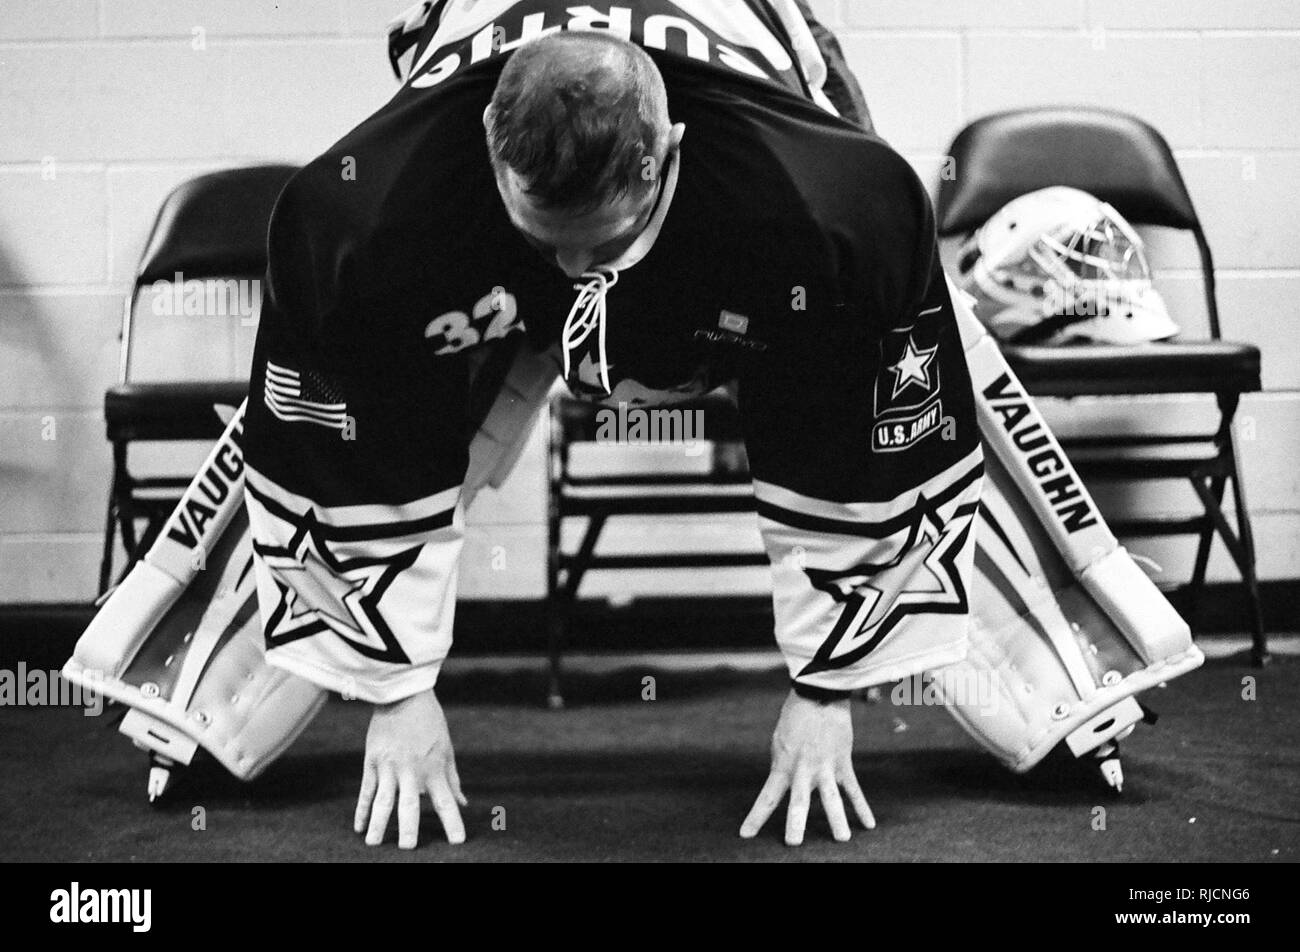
(646, 240)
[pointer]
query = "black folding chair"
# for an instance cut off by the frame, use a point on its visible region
(724, 486)
(1124, 161)
(209, 228)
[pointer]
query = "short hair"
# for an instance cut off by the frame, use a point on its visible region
(575, 115)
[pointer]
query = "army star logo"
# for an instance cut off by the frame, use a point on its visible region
(913, 367)
(319, 593)
(878, 597)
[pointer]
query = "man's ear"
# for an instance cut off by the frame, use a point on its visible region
(487, 117)
(675, 135)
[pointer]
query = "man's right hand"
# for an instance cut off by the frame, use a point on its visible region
(408, 754)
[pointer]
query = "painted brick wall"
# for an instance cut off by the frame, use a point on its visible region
(105, 105)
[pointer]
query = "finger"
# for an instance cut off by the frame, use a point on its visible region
(408, 810)
(796, 816)
(454, 776)
(834, 808)
(383, 808)
(849, 781)
(369, 781)
(448, 812)
(769, 798)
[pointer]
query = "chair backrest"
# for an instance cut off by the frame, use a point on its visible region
(214, 226)
(1115, 156)
(209, 227)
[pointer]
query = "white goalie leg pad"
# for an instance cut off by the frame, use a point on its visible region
(1066, 628)
(180, 640)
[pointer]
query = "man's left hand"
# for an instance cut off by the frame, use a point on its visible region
(812, 746)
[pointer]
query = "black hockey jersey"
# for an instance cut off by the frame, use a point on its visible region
(796, 257)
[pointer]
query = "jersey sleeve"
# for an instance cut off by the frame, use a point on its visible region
(867, 467)
(356, 443)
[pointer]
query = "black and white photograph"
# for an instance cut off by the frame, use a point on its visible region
(660, 431)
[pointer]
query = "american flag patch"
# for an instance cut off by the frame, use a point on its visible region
(304, 397)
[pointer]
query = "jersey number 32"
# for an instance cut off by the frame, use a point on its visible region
(494, 315)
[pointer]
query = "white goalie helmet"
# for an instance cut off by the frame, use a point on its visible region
(1059, 265)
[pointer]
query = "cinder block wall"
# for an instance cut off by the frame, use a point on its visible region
(105, 105)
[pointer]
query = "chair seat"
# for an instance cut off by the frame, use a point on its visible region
(1213, 366)
(169, 411)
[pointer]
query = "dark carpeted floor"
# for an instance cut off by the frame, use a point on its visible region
(614, 777)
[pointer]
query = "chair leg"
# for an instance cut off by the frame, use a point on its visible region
(1241, 546)
(110, 536)
(556, 631)
(559, 605)
(124, 503)
(155, 519)
(1203, 548)
(126, 516)
(555, 621)
(1259, 638)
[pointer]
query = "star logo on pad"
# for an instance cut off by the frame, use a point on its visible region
(322, 593)
(913, 367)
(877, 597)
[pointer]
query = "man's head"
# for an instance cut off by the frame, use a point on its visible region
(578, 133)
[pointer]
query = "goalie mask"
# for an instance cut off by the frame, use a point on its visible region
(1057, 266)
